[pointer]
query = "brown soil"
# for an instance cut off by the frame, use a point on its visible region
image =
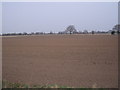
(69, 60)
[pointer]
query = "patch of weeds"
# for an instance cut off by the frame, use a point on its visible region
(25, 86)
(35, 86)
(92, 89)
(16, 85)
(49, 86)
(64, 87)
(6, 84)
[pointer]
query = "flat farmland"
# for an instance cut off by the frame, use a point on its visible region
(69, 60)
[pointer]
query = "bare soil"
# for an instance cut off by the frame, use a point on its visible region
(69, 60)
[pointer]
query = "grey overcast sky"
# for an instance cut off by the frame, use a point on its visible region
(56, 16)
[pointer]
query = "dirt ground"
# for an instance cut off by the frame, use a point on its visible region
(69, 60)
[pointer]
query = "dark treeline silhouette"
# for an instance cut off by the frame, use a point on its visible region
(70, 30)
(24, 33)
(116, 29)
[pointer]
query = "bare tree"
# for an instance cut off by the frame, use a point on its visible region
(70, 29)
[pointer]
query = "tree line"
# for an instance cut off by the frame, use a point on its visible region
(70, 30)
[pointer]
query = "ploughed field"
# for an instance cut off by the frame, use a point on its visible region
(65, 60)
